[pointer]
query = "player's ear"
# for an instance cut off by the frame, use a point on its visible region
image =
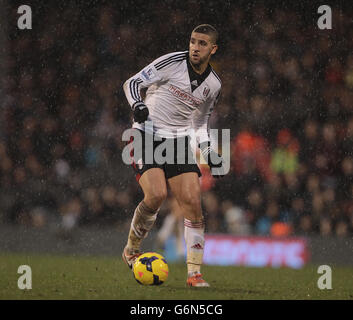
(214, 49)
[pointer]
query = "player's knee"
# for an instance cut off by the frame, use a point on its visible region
(155, 198)
(193, 201)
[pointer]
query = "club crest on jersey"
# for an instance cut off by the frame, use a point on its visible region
(206, 91)
(149, 74)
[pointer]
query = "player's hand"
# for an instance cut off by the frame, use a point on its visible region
(140, 112)
(213, 159)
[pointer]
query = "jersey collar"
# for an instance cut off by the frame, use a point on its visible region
(195, 78)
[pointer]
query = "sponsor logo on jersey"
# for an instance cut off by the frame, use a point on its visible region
(184, 96)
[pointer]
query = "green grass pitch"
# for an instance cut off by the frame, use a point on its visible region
(82, 277)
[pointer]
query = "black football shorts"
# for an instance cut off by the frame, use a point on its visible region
(182, 161)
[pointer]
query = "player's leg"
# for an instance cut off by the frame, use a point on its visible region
(153, 184)
(186, 189)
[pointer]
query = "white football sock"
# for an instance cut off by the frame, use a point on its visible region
(141, 224)
(195, 241)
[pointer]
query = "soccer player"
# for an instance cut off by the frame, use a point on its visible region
(182, 90)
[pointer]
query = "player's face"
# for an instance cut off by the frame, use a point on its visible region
(201, 48)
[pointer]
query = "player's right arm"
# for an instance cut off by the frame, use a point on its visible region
(132, 88)
(151, 74)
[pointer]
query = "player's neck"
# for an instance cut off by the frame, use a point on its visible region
(200, 69)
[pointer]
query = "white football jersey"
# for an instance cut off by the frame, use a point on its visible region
(175, 104)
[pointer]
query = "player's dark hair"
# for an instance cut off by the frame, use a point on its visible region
(209, 30)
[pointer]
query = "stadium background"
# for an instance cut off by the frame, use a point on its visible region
(287, 98)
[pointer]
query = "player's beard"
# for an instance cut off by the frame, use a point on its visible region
(202, 61)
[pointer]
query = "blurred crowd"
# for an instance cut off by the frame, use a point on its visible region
(287, 98)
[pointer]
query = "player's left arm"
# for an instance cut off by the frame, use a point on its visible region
(201, 126)
(202, 116)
